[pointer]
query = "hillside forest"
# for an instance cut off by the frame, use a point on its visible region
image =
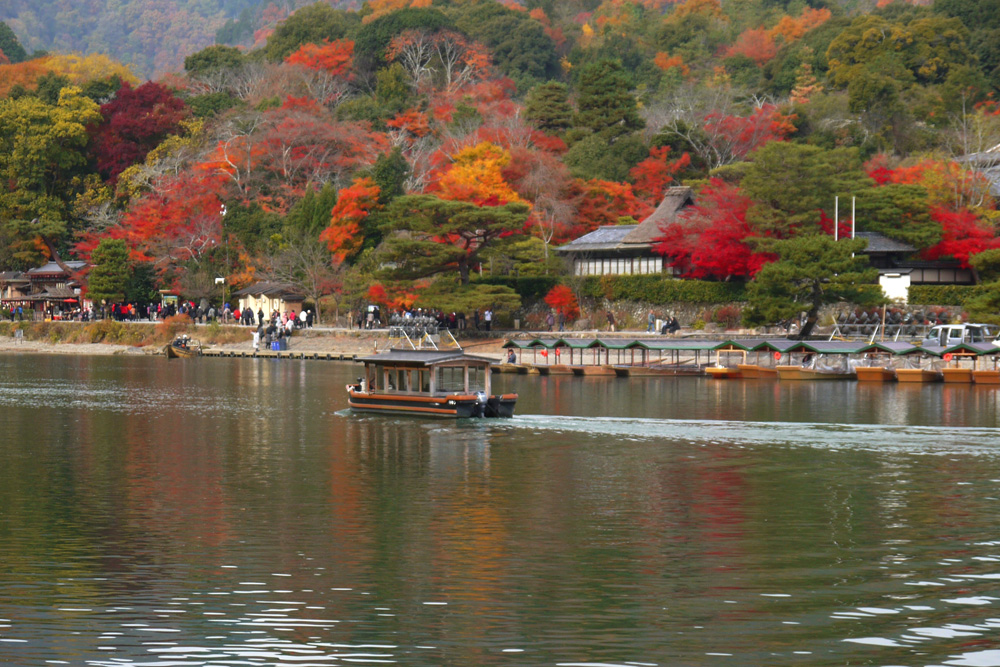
(409, 152)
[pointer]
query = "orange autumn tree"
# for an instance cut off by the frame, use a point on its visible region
(756, 44)
(790, 29)
(334, 58)
(667, 62)
(344, 235)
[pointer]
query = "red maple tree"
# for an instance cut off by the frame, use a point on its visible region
(135, 122)
(963, 234)
(709, 240)
(651, 176)
(562, 299)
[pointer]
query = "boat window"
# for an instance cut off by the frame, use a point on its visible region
(391, 378)
(477, 379)
(425, 380)
(397, 379)
(380, 379)
(450, 379)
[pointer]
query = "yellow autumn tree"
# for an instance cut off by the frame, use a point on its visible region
(476, 175)
(383, 7)
(94, 67)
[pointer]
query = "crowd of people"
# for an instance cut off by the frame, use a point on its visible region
(371, 318)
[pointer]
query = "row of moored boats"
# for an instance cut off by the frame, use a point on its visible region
(948, 353)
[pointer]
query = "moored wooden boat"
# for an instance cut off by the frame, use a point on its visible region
(182, 347)
(875, 374)
(429, 383)
(597, 370)
(757, 372)
(957, 375)
(918, 375)
(986, 376)
(802, 373)
(519, 369)
(724, 372)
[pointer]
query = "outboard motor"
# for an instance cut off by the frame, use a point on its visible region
(481, 400)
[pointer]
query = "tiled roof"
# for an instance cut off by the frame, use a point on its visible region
(880, 243)
(271, 289)
(602, 238)
(52, 267)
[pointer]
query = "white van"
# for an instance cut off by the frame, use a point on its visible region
(947, 335)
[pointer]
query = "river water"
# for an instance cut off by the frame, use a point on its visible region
(230, 512)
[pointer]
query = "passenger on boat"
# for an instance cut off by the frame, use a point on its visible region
(511, 357)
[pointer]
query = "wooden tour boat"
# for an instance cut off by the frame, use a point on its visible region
(430, 383)
(182, 347)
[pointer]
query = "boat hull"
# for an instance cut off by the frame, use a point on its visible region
(755, 372)
(798, 373)
(957, 375)
(986, 377)
(594, 371)
(175, 352)
(451, 406)
(519, 369)
(918, 375)
(875, 374)
(724, 373)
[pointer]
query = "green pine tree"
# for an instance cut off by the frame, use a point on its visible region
(812, 270)
(112, 271)
(548, 107)
(606, 103)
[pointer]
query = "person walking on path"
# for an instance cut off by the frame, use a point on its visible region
(611, 321)
(651, 323)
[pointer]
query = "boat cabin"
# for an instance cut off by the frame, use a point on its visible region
(430, 372)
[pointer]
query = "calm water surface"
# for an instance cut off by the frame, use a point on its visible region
(230, 512)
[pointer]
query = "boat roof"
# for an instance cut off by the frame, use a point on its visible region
(827, 347)
(977, 349)
(423, 358)
(891, 346)
(775, 345)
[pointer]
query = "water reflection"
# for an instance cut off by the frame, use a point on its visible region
(227, 512)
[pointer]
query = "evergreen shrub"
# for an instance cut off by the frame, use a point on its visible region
(527, 287)
(943, 295)
(661, 290)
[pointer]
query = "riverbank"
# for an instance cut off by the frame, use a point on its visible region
(108, 338)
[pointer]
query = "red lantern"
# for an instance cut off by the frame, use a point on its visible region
(557, 352)
(948, 357)
(545, 353)
(777, 356)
